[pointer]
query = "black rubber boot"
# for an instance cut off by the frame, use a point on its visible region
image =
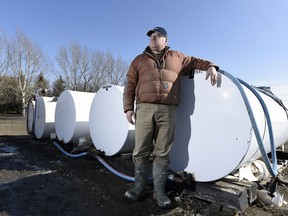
(141, 175)
(159, 179)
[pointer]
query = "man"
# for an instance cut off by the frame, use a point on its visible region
(153, 82)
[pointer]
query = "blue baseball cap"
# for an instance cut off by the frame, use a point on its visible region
(160, 30)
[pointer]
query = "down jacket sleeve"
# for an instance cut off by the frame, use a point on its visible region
(130, 86)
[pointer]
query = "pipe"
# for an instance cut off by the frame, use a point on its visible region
(170, 177)
(102, 161)
(69, 154)
(272, 171)
(114, 171)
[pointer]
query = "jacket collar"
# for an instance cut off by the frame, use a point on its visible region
(149, 52)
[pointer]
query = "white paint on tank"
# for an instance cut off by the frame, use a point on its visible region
(30, 116)
(44, 117)
(214, 135)
(72, 115)
(110, 131)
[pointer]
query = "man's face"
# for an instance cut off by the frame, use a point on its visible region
(157, 42)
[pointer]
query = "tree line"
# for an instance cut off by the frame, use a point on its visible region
(24, 69)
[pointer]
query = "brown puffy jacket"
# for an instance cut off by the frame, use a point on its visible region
(157, 80)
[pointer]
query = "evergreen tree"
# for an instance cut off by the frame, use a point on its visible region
(41, 85)
(58, 86)
(10, 100)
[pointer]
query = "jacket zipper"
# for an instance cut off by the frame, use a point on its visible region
(158, 65)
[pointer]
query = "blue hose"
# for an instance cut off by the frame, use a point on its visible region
(103, 162)
(272, 171)
(69, 154)
(114, 171)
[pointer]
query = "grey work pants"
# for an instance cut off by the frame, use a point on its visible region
(155, 125)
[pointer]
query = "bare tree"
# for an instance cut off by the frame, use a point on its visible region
(80, 67)
(26, 62)
(118, 72)
(86, 70)
(109, 70)
(87, 74)
(99, 68)
(4, 48)
(68, 61)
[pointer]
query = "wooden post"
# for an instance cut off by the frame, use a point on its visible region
(227, 193)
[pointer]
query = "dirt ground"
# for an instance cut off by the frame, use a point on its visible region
(37, 179)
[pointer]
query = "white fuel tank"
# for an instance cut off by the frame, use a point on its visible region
(30, 116)
(72, 115)
(214, 134)
(110, 131)
(44, 117)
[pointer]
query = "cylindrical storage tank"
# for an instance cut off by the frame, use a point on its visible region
(279, 125)
(72, 115)
(110, 131)
(30, 116)
(280, 91)
(214, 134)
(44, 117)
